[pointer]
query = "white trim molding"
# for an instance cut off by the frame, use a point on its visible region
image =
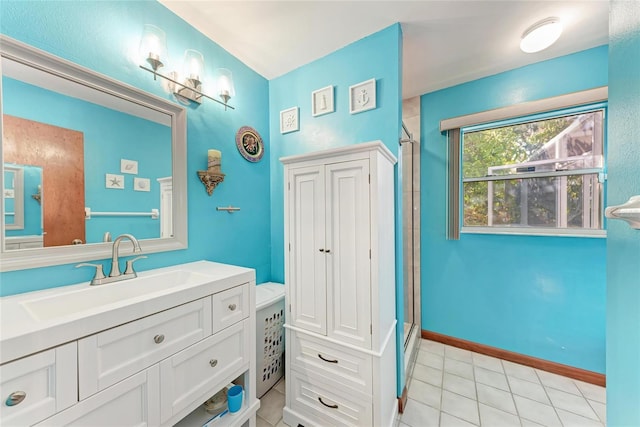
(568, 100)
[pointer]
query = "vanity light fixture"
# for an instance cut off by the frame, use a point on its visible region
(541, 35)
(186, 85)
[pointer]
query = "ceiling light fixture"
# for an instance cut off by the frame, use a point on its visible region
(541, 35)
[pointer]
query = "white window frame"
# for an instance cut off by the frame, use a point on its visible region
(560, 229)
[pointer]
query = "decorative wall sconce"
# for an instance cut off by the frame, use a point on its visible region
(213, 175)
(186, 85)
(38, 196)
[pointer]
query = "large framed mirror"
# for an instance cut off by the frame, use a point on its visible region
(94, 158)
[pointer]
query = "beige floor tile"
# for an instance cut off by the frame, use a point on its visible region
(536, 412)
(425, 393)
(427, 374)
(271, 406)
(459, 368)
(418, 414)
(493, 417)
(496, 398)
(460, 407)
(459, 385)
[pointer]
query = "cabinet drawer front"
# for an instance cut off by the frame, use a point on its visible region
(193, 374)
(327, 402)
(110, 356)
(47, 380)
(230, 306)
(132, 402)
(333, 361)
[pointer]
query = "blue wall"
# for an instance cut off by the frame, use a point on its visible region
(376, 56)
(104, 36)
(108, 137)
(539, 296)
(623, 242)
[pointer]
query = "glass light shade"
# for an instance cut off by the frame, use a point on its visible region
(193, 65)
(224, 84)
(541, 35)
(153, 46)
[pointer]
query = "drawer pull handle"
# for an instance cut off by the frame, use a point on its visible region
(327, 360)
(158, 338)
(213, 362)
(15, 398)
(328, 406)
(232, 307)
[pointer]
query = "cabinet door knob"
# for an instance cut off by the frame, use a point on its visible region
(321, 250)
(327, 250)
(327, 360)
(158, 338)
(328, 406)
(213, 362)
(15, 398)
(232, 307)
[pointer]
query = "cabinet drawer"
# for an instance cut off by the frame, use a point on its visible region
(333, 361)
(326, 402)
(132, 402)
(110, 356)
(230, 306)
(48, 381)
(199, 371)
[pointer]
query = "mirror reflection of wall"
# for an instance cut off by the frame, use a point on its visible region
(13, 182)
(23, 213)
(77, 143)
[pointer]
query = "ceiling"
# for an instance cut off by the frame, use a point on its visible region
(444, 42)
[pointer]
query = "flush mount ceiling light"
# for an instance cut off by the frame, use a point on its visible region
(541, 35)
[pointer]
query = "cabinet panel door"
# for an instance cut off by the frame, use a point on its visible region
(112, 355)
(230, 306)
(134, 401)
(348, 262)
(307, 287)
(194, 374)
(48, 380)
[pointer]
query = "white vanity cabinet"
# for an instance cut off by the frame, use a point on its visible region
(340, 286)
(153, 370)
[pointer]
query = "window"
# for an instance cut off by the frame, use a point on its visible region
(543, 175)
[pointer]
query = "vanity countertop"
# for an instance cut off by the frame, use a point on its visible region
(35, 321)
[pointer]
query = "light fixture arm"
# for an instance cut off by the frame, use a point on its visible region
(156, 73)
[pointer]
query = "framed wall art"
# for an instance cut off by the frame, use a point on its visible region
(249, 143)
(289, 120)
(362, 96)
(322, 101)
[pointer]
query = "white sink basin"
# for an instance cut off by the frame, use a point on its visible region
(93, 297)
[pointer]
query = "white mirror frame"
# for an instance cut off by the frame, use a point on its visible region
(43, 257)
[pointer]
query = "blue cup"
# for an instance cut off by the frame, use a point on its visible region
(234, 398)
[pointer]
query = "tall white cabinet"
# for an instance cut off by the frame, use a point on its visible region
(340, 287)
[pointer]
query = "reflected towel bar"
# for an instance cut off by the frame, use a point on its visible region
(230, 209)
(154, 214)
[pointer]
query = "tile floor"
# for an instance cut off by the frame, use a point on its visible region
(454, 387)
(271, 404)
(451, 387)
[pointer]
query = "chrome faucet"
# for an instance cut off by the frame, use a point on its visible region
(115, 275)
(115, 268)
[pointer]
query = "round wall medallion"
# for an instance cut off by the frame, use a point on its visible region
(249, 143)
